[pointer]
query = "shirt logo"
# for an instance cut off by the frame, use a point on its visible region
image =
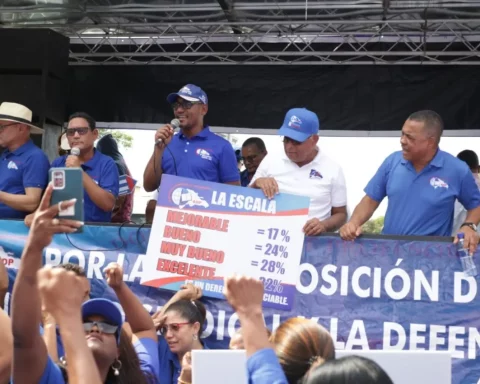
(203, 154)
(184, 197)
(186, 90)
(126, 185)
(436, 182)
(295, 122)
(314, 173)
(12, 165)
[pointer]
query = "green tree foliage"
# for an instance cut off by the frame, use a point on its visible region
(122, 138)
(374, 226)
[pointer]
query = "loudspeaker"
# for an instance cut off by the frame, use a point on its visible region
(34, 70)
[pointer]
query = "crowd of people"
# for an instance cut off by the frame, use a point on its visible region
(57, 334)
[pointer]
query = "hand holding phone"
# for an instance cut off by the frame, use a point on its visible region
(67, 185)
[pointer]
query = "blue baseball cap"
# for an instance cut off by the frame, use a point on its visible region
(238, 152)
(106, 309)
(189, 92)
(238, 155)
(299, 124)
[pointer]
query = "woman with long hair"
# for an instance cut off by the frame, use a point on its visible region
(348, 370)
(299, 344)
(180, 323)
(95, 329)
(113, 354)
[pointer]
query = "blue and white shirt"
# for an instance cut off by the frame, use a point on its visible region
(206, 156)
(422, 203)
(25, 167)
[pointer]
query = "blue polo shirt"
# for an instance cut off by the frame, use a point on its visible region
(422, 203)
(25, 167)
(170, 366)
(103, 170)
(206, 156)
(244, 180)
(264, 368)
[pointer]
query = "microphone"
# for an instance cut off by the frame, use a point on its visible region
(75, 151)
(175, 123)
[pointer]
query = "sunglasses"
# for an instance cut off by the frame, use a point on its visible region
(72, 131)
(106, 328)
(184, 105)
(174, 327)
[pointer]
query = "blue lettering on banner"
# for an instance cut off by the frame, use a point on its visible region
(370, 294)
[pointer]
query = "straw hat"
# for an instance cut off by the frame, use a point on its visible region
(64, 142)
(19, 114)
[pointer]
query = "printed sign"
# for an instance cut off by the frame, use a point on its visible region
(203, 232)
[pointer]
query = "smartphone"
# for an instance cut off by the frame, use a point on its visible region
(67, 185)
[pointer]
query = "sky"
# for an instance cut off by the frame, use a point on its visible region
(359, 157)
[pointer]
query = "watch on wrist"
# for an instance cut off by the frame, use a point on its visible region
(470, 225)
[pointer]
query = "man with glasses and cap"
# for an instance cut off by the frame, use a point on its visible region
(194, 152)
(23, 166)
(305, 170)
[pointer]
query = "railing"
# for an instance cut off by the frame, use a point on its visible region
(395, 292)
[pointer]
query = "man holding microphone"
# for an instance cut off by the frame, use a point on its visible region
(100, 174)
(194, 152)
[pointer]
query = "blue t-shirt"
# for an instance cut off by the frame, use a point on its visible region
(170, 366)
(422, 203)
(206, 156)
(147, 351)
(60, 350)
(264, 368)
(103, 170)
(147, 354)
(25, 167)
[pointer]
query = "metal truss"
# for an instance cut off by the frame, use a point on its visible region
(399, 42)
(272, 32)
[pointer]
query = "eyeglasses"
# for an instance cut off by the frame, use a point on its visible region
(174, 327)
(249, 159)
(81, 131)
(184, 105)
(2, 127)
(106, 328)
